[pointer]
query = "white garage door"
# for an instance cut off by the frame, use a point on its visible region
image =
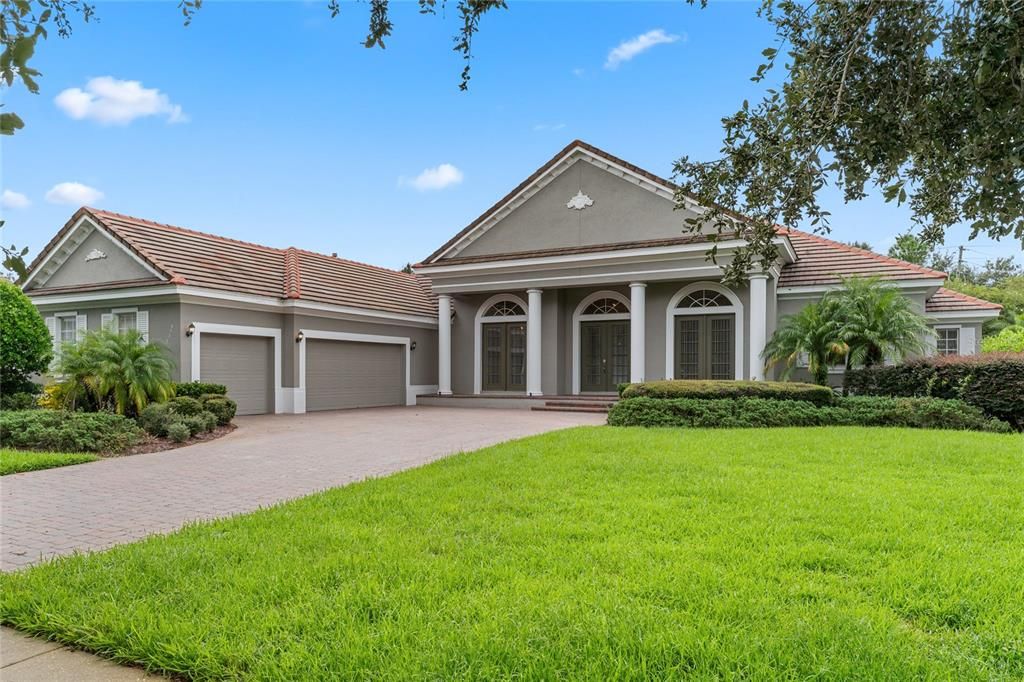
(245, 364)
(345, 374)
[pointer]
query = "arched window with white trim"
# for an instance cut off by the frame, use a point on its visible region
(500, 345)
(600, 343)
(704, 333)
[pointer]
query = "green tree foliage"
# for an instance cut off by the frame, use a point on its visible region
(860, 245)
(1008, 292)
(924, 100)
(911, 248)
(24, 22)
(814, 332)
(25, 344)
(117, 371)
(1009, 340)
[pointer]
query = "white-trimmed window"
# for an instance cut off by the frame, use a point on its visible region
(68, 327)
(947, 340)
(122, 320)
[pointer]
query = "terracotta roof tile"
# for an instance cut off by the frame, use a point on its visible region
(946, 300)
(206, 260)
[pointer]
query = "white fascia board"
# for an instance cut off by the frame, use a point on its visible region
(622, 277)
(39, 299)
(963, 315)
(75, 229)
(578, 259)
(923, 285)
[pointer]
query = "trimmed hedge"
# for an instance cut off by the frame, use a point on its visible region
(197, 389)
(61, 431)
(922, 413)
(992, 382)
(710, 390)
(223, 408)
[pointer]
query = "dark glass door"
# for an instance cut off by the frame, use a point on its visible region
(604, 355)
(504, 356)
(705, 347)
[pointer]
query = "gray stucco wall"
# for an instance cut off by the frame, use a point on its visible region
(118, 266)
(621, 212)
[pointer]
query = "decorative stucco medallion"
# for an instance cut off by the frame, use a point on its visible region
(95, 254)
(580, 201)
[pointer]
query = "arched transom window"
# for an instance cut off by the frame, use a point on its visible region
(605, 306)
(704, 298)
(505, 309)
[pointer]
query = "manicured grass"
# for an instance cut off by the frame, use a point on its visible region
(594, 553)
(16, 461)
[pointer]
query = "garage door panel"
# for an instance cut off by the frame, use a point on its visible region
(347, 374)
(245, 364)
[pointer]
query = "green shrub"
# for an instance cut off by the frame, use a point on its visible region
(197, 389)
(155, 418)
(925, 413)
(25, 344)
(769, 390)
(60, 431)
(178, 432)
(209, 420)
(23, 400)
(993, 382)
(185, 406)
(196, 423)
(223, 408)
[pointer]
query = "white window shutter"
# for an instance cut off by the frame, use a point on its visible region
(51, 326)
(81, 326)
(931, 342)
(142, 324)
(107, 321)
(967, 345)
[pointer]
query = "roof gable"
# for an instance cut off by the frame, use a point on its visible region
(540, 213)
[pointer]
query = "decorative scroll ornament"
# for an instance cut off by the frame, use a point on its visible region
(580, 201)
(95, 254)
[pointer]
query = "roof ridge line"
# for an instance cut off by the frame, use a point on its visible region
(292, 274)
(869, 254)
(188, 230)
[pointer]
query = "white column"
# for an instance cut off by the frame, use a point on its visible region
(533, 342)
(758, 323)
(637, 339)
(444, 344)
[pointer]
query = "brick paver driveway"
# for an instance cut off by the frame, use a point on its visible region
(267, 460)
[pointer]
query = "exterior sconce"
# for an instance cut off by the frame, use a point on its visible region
(300, 337)
(190, 329)
(412, 346)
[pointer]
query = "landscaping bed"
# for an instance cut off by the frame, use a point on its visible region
(597, 553)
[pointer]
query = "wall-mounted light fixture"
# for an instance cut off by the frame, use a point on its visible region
(412, 346)
(299, 337)
(190, 329)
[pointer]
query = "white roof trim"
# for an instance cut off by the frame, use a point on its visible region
(563, 163)
(806, 291)
(41, 298)
(73, 239)
(963, 315)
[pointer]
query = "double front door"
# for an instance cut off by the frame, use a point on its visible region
(604, 355)
(504, 356)
(705, 347)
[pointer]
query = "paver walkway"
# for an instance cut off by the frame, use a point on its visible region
(267, 460)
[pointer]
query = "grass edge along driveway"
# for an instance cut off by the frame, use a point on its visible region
(18, 461)
(597, 552)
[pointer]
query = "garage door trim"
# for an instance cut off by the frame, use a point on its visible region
(404, 341)
(200, 328)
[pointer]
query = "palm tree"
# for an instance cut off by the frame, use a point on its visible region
(878, 321)
(119, 369)
(814, 332)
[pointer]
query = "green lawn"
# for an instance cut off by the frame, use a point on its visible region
(596, 553)
(16, 461)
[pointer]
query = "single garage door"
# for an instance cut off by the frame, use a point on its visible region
(345, 374)
(245, 364)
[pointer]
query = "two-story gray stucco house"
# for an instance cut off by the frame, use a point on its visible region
(577, 280)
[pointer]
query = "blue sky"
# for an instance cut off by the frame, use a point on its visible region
(272, 123)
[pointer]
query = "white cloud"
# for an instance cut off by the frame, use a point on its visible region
(438, 177)
(74, 193)
(628, 49)
(543, 127)
(110, 100)
(11, 199)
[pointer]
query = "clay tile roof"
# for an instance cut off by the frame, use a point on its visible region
(205, 260)
(948, 301)
(822, 261)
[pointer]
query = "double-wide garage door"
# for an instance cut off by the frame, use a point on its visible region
(245, 364)
(346, 374)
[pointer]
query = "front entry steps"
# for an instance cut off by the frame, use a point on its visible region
(597, 404)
